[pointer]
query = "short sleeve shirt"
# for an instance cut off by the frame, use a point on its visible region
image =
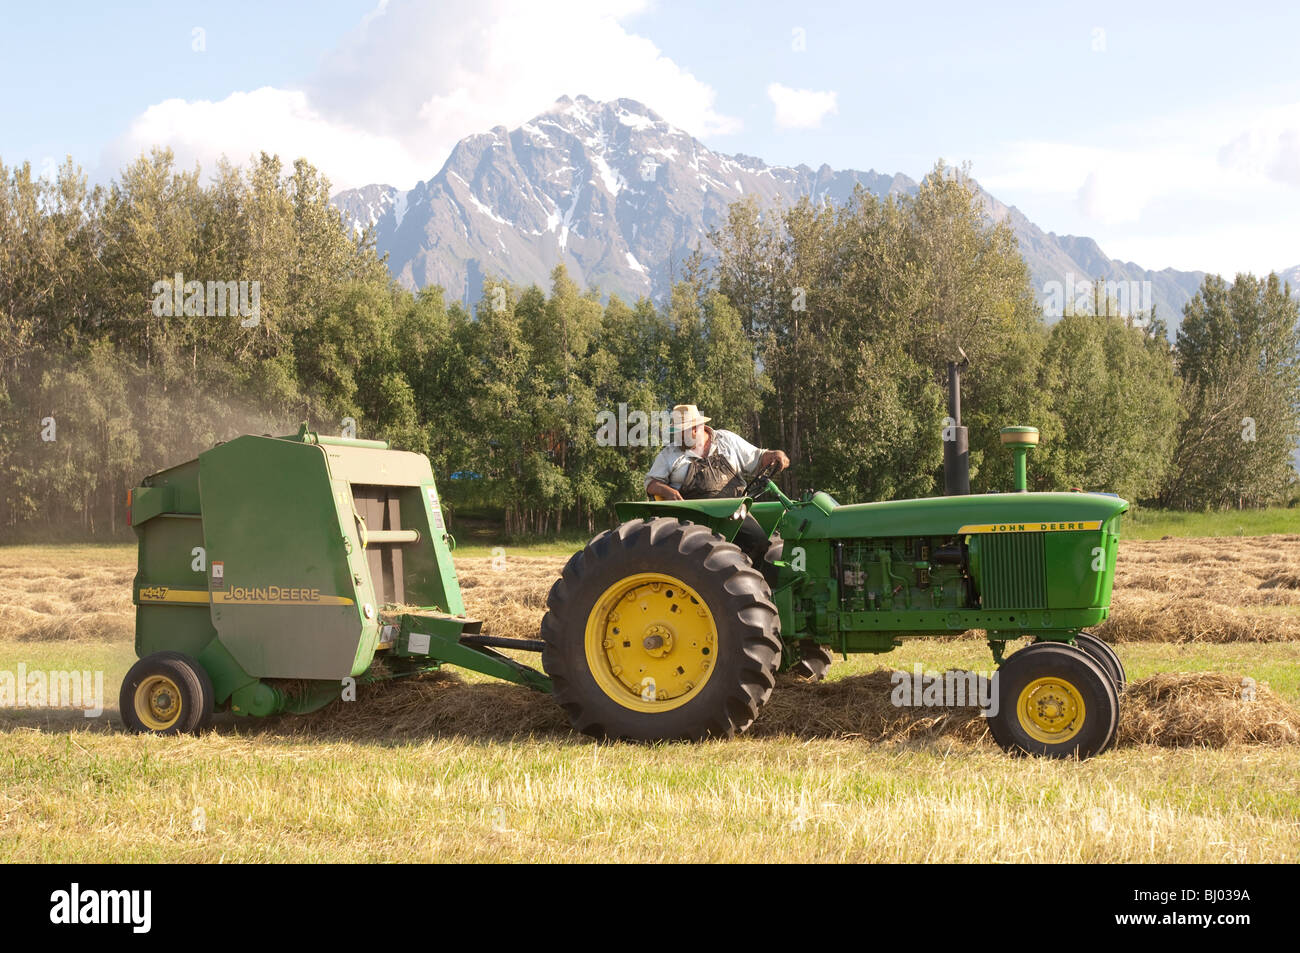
(675, 459)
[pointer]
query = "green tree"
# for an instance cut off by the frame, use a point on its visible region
(1115, 396)
(1238, 354)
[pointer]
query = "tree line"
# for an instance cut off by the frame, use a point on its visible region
(130, 341)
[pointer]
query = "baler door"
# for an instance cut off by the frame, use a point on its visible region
(379, 507)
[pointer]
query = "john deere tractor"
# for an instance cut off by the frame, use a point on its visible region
(662, 628)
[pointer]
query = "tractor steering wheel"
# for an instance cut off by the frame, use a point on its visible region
(760, 480)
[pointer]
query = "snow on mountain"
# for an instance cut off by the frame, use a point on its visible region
(622, 198)
(609, 189)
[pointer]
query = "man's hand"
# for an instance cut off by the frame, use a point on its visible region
(659, 488)
(774, 456)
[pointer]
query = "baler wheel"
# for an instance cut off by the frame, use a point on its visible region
(1054, 701)
(166, 693)
(661, 630)
(1105, 656)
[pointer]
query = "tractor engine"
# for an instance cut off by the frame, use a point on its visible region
(911, 572)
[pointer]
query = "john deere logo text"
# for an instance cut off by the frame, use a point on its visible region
(271, 594)
(1030, 527)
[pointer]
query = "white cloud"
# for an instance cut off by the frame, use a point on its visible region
(277, 121)
(1270, 148)
(411, 79)
(801, 108)
(1193, 190)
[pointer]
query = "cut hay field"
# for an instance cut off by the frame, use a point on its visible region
(456, 767)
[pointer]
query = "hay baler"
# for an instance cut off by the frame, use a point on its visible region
(275, 571)
(661, 628)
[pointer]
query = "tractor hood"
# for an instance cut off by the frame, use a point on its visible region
(958, 515)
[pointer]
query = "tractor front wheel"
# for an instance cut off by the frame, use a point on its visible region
(1054, 701)
(1105, 656)
(661, 630)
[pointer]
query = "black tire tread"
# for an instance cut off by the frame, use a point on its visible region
(1105, 656)
(190, 678)
(745, 600)
(1098, 735)
(209, 704)
(814, 661)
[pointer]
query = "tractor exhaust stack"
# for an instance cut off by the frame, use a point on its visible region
(956, 441)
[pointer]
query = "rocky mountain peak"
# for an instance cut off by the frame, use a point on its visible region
(621, 197)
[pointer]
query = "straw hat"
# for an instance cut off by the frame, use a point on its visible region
(687, 416)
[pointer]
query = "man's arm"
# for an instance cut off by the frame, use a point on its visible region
(661, 489)
(753, 459)
(656, 481)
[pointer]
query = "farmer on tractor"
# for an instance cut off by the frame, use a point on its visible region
(702, 462)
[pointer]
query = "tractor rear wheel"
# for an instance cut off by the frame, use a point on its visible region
(661, 630)
(166, 693)
(1054, 701)
(1104, 656)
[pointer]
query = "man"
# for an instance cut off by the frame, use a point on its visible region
(707, 463)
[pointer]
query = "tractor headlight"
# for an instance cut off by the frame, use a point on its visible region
(741, 512)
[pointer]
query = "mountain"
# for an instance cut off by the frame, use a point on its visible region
(1293, 276)
(610, 189)
(621, 198)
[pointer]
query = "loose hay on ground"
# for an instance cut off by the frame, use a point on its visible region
(40, 604)
(1244, 589)
(1206, 590)
(1172, 710)
(509, 596)
(1211, 709)
(440, 703)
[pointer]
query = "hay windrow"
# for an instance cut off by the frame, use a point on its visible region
(39, 603)
(1227, 589)
(1282, 580)
(1210, 709)
(1230, 589)
(434, 704)
(1172, 710)
(860, 706)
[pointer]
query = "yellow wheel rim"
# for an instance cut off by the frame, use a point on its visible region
(651, 642)
(158, 702)
(1051, 710)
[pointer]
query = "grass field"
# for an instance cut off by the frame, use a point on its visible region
(1143, 523)
(457, 767)
(267, 798)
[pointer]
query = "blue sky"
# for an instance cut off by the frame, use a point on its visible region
(1168, 132)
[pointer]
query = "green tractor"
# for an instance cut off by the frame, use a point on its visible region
(662, 629)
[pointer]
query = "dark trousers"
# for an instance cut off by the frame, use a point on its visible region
(753, 542)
